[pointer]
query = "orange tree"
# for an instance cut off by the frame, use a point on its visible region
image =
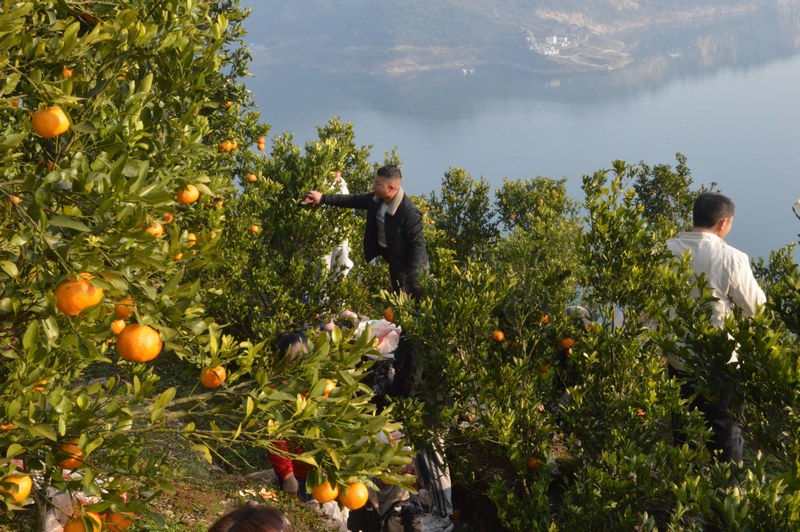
(586, 439)
(274, 280)
(150, 92)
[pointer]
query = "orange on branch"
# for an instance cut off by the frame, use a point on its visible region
(566, 343)
(388, 315)
(85, 522)
(139, 343)
(355, 496)
(118, 521)
(254, 228)
(18, 485)
(498, 336)
(124, 308)
(213, 377)
(69, 455)
(252, 178)
(190, 194)
(50, 122)
(329, 386)
(74, 296)
(117, 326)
(323, 493)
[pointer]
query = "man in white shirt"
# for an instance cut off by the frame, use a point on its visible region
(730, 278)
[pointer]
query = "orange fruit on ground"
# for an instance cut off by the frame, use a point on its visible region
(17, 485)
(73, 296)
(254, 228)
(329, 386)
(124, 308)
(156, 229)
(50, 122)
(168, 218)
(139, 343)
(252, 178)
(355, 496)
(86, 522)
(533, 463)
(187, 195)
(324, 492)
(118, 521)
(566, 343)
(213, 377)
(69, 455)
(117, 326)
(388, 315)
(498, 336)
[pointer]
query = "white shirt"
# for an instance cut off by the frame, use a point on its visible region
(727, 271)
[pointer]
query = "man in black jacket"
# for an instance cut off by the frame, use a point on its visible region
(394, 226)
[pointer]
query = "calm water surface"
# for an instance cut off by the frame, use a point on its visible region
(736, 117)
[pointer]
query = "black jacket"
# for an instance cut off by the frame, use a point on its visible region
(405, 242)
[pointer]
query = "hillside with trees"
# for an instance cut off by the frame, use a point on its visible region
(409, 37)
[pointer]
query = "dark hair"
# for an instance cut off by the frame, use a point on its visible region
(710, 208)
(286, 340)
(389, 171)
(252, 518)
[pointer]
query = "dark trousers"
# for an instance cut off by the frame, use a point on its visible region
(722, 414)
(405, 517)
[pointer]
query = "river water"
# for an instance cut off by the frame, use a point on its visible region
(724, 95)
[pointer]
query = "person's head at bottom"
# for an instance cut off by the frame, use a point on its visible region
(252, 518)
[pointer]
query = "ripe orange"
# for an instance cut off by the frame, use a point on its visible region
(261, 146)
(252, 178)
(544, 319)
(156, 229)
(533, 463)
(388, 315)
(227, 104)
(124, 308)
(178, 256)
(118, 521)
(69, 455)
(329, 386)
(325, 493)
(261, 139)
(17, 485)
(117, 326)
(254, 228)
(73, 296)
(188, 195)
(139, 343)
(566, 343)
(168, 218)
(67, 72)
(191, 238)
(213, 377)
(453, 239)
(225, 146)
(86, 522)
(498, 336)
(355, 496)
(50, 122)
(39, 385)
(7, 426)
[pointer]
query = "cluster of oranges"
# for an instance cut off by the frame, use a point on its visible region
(261, 144)
(354, 496)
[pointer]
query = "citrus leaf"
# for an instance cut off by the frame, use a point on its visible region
(69, 223)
